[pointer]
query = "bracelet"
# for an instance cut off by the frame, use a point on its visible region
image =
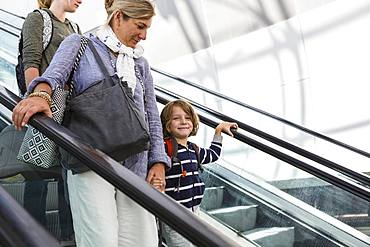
(43, 95)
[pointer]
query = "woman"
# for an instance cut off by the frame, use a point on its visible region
(36, 59)
(103, 216)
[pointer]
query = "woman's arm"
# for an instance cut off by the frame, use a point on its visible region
(26, 108)
(158, 159)
(32, 45)
(157, 152)
(57, 73)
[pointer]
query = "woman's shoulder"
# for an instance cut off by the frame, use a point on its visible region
(142, 65)
(73, 38)
(142, 61)
(34, 18)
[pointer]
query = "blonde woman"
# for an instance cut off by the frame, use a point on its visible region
(102, 215)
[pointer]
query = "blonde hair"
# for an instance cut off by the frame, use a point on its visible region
(44, 3)
(166, 115)
(136, 9)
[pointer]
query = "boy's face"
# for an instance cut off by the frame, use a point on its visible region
(180, 124)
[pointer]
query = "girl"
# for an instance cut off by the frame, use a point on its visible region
(35, 60)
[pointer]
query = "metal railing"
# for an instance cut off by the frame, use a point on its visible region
(170, 212)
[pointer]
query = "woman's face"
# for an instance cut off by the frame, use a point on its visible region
(130, 32)
(71, 5)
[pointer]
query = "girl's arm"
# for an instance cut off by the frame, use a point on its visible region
(61, 65)
(32, 45)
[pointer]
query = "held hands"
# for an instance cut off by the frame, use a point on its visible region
(156, 177)
(226, 127)
(26, 108)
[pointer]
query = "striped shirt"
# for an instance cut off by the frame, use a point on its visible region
(183, 182)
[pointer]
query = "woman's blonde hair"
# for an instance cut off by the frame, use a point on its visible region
(166, 115)
(44, 3)
(137, 9)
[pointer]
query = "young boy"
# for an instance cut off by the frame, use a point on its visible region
(183, 182)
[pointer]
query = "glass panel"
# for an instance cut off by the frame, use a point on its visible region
(330, 151)
(230, 200)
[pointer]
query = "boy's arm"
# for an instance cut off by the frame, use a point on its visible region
(226, 128)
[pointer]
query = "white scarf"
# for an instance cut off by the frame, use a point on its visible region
(125, 64)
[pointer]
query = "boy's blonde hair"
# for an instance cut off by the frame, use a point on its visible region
(166, 115)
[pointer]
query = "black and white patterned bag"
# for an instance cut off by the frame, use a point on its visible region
(38, 149)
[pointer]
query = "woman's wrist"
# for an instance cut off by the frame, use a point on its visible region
(42, 94)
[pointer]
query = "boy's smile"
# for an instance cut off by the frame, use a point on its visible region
(181, 125)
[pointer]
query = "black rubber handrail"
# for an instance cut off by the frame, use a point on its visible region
(222, 96)
(357, 176)
(287, 122)
(179, 218)
(341, 182)
(10, 13)
(18, 228)
(10, 25)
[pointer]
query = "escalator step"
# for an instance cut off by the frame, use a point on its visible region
(272, 237)
(241, 218)
(213, 198)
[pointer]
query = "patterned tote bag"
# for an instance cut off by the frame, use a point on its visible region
(37, 149)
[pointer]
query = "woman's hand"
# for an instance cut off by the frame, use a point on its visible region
(156, 176)
(26, 108)
(226, 127)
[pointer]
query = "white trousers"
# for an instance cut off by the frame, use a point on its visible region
(105, 217)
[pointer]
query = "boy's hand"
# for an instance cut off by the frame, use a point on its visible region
(156, 177)
(226, 127)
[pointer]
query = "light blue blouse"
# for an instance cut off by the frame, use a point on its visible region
(89, 73)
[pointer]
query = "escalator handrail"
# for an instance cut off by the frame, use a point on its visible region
(170, 212)
(314, 133)
(10, 25)
(285, 121)
(341, 182)
(10, 13)
(16, 225)
(358, 176)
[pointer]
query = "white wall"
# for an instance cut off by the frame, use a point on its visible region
(311, 69)
(90, 14)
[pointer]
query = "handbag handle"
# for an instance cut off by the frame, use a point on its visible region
(100, 63)
(70, 82)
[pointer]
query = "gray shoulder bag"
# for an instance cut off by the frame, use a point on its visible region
(106, 117)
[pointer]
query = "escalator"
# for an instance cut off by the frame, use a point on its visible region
(304, 212)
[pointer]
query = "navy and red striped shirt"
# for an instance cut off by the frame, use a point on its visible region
(189, 188)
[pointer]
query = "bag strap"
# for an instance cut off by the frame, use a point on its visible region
(138, 75)
(47, 31)
(171, 148)
(74, 26)
(196, 149)
(99, 61)
(106, 73)
(70, 82)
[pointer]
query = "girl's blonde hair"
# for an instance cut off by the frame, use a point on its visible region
(166, 115)
(136, 9)
(44, 3)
